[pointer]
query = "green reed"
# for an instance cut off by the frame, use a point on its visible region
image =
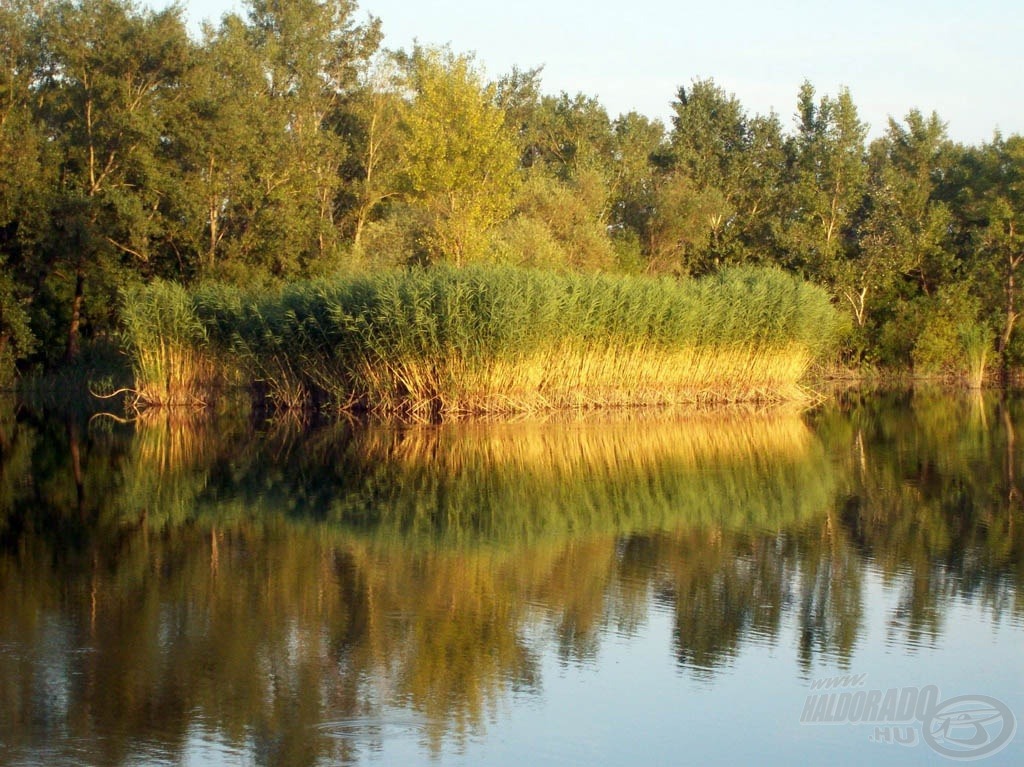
(168, 345)
(448, 341)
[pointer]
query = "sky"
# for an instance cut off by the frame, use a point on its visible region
(963, 60)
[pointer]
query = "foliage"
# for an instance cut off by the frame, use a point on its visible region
(950, 334)
(16, 338)
(827, 172)
(993, 207)
(721, 183)
(457, 154)
(281, 144)
(558, 224)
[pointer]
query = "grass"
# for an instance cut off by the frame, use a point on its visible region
(445, 342)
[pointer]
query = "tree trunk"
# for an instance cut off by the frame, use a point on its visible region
(360, 223)
(1011, 319)
(73, 347)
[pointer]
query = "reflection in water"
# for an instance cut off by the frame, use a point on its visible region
(934, 501)
(300, 596)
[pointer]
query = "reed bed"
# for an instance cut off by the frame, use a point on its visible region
(168, 346)
(444, 342)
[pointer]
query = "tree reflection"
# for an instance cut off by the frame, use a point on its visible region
(286, 591)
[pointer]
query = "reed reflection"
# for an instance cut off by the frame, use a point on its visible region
(301, 595)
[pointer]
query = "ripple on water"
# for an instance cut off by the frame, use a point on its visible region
(356, 728)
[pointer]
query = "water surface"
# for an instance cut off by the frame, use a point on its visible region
(658, 589)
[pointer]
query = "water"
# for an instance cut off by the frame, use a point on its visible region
(659, 589)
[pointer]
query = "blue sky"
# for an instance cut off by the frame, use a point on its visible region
(963, 60)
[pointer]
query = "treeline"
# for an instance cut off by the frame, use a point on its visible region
(289, 144)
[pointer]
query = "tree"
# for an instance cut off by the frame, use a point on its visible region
(246, 210)
(374, 113)
(575, 170)
(569, 135)
(24, 182)
(108, 74)
(228, 142)
(907, 220)
(458, 157)
(904, 245)
(558, 223)
(826, 178)
(17, 341)
(518, 94)
(709, 134)
(312, 55)
(722, 169)
(634, 177)
(263, 154)
(993, 207)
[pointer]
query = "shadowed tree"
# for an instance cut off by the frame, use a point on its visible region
(993, 206)
(108, 75)
(24, 182)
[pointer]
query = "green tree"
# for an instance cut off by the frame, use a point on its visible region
(262, 190)
(905, 244)
(638, 141)
(992, 205)
(574, 170)
(709, 134)
(575, 134)
(518, 93)
(227, 144)
(24, 181)
(458, 157)
(721, 185)
(374, 115)
(826, 179)
(312, 54)
(683, 222)
(559, 223)
(907, 220)
(108, 74)
(16, 338)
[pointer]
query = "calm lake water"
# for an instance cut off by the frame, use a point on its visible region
(658, 589)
